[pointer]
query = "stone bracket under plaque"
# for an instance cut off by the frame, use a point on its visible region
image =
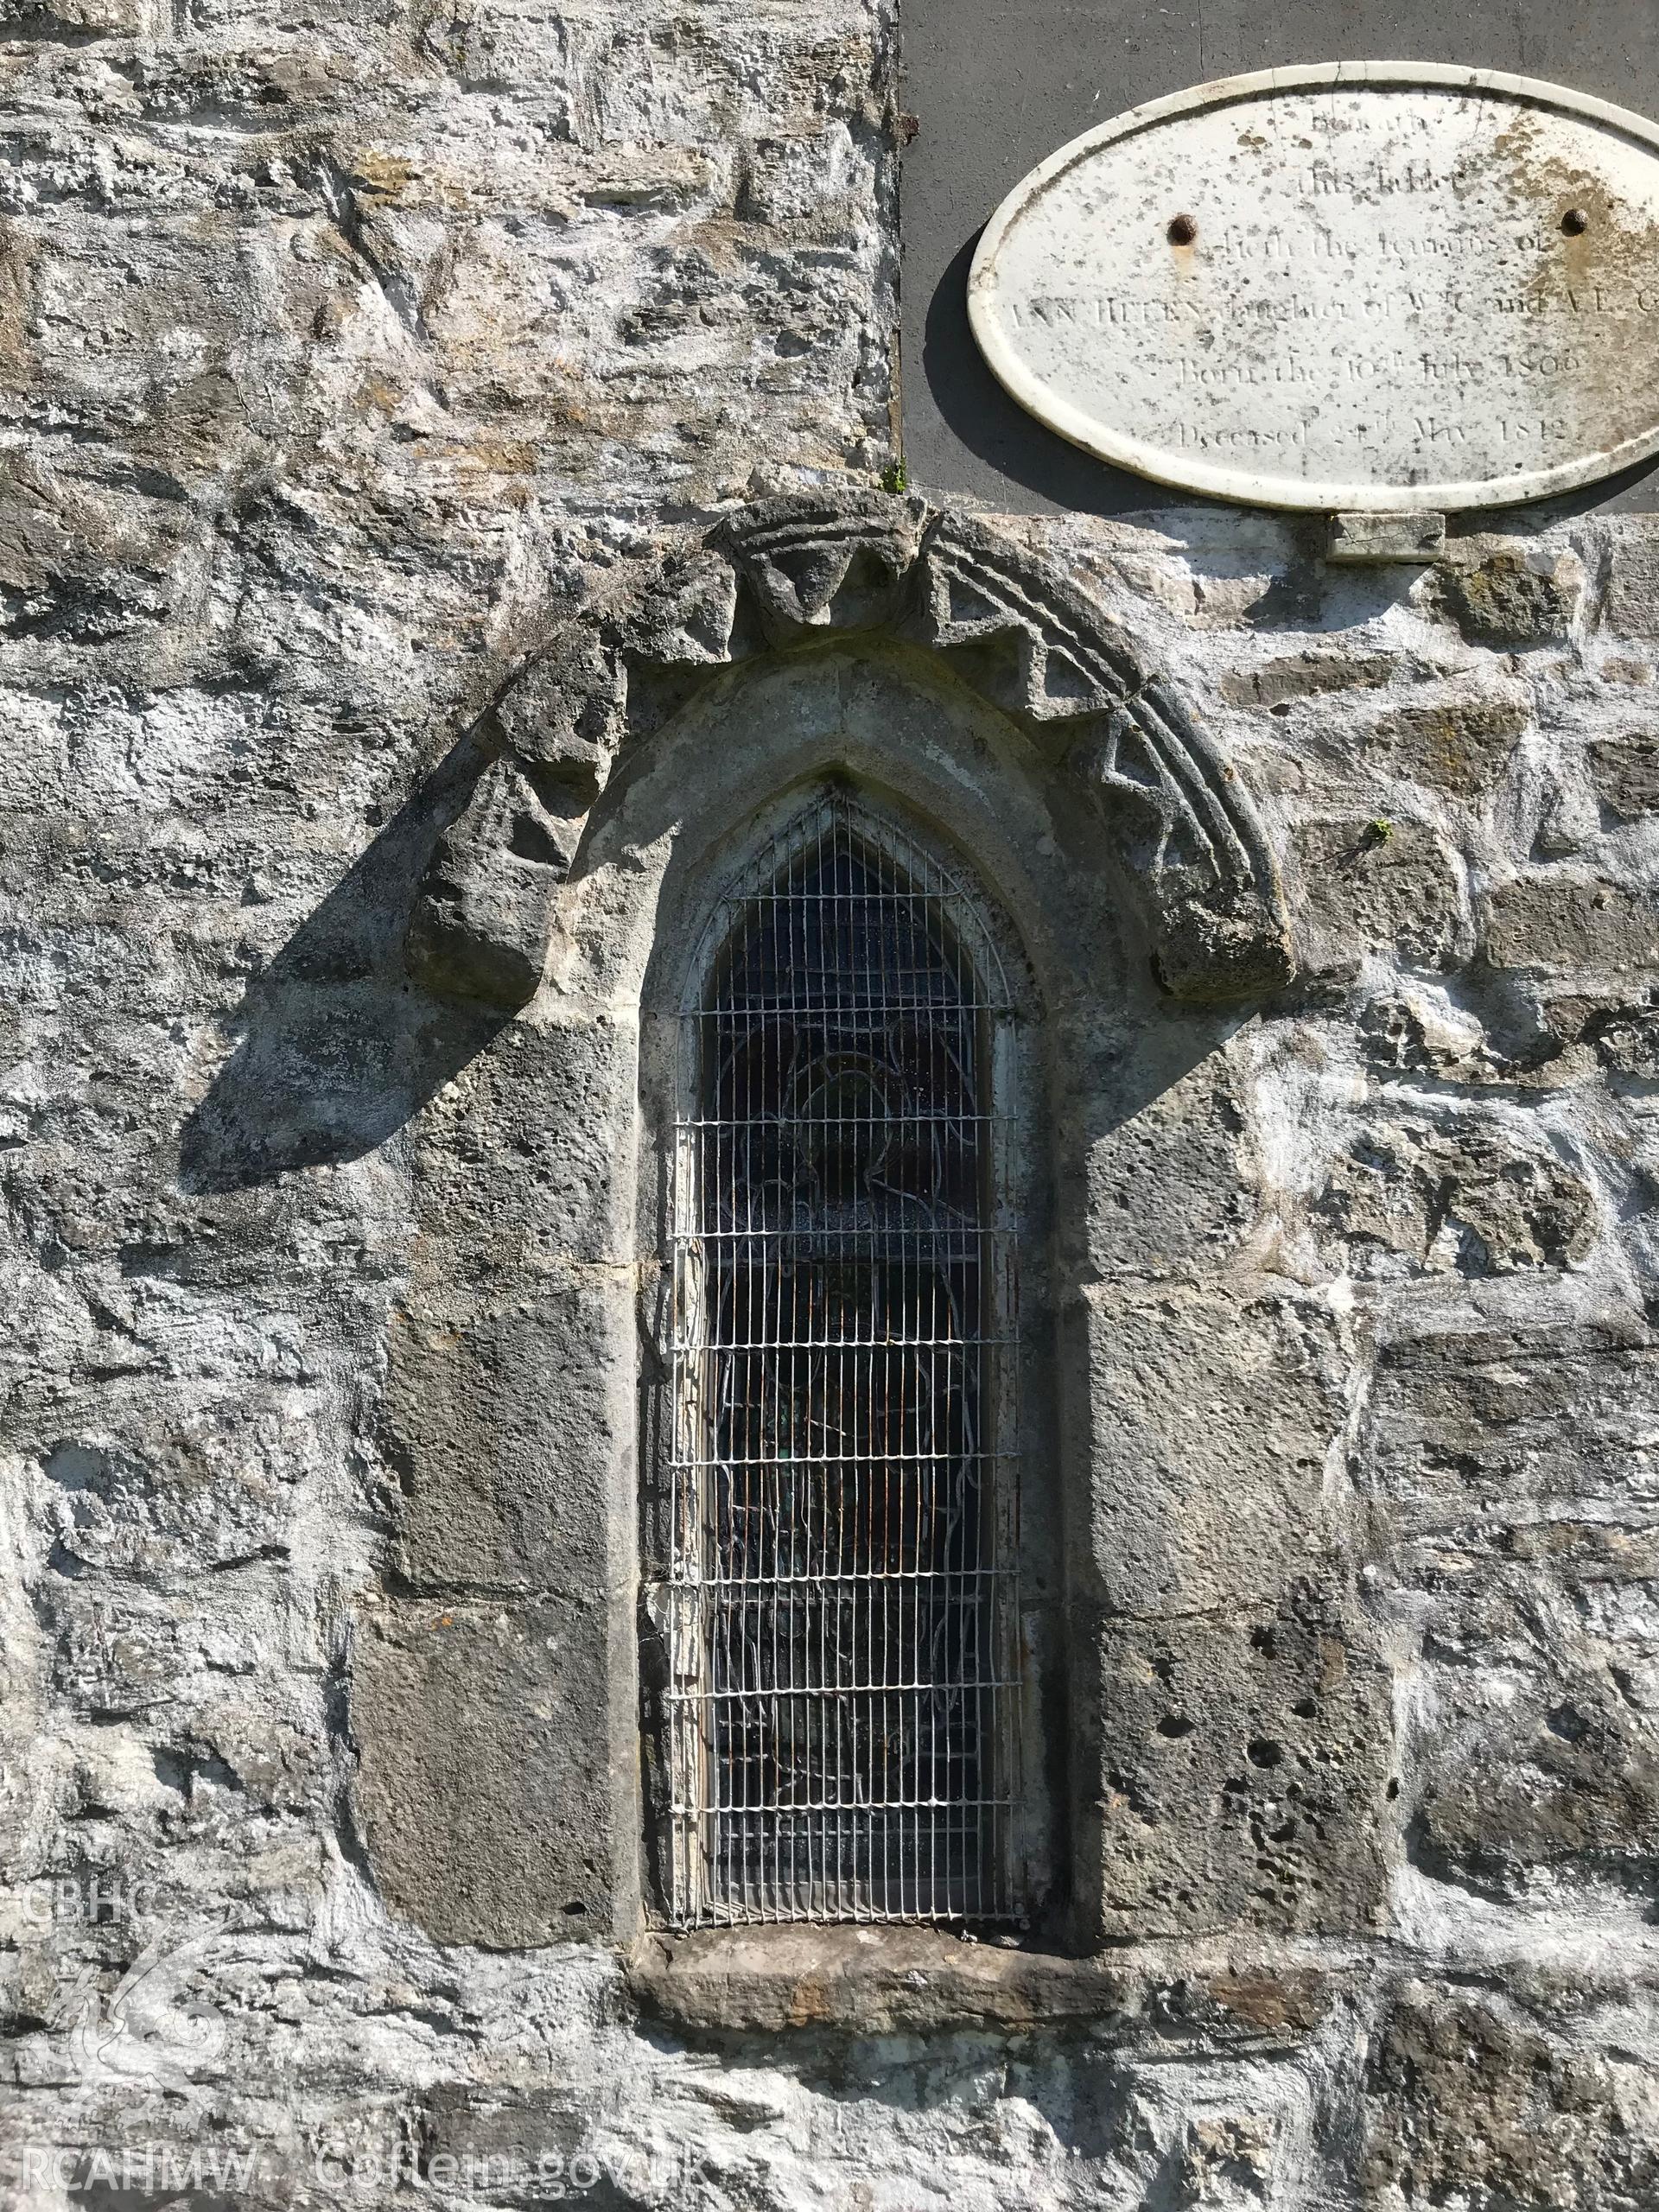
(1369, 537)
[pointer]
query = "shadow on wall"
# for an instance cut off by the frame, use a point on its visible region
(975, 409)
(337, 1046)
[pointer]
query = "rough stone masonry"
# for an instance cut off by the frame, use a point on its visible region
(442, 492)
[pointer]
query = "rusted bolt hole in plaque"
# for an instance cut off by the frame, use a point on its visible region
(1183, 230)
(1575, 222)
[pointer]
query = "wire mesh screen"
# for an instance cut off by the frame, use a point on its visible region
(842, 1603)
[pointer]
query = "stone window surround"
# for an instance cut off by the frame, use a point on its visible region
(689, 950)
(854, 627)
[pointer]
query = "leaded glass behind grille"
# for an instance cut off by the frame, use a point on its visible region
(842, 1587)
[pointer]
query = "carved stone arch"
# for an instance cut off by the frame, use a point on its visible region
(781, 576)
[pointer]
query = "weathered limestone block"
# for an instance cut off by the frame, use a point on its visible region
(1168, 1175)
(917, 1980)
(271, 1764)
(1279, 684)
(1459, 744)
(219, 1492)
(1212, 1414)
(1626, 1040)
(1535, 1034)
(482, 1793)
(1215, 951)
(1625, 773)
(527, 1155)
(564, 710)
(114, 18)
(480, 929)
(1227, 2159)
(1380, 884)
(1512, 594)
(1423, 1031)
(1368, 537)
(1562, 1782)
(497, 1494)
(116, 1651)
(1632, 603)
(80, 567)
(1242, 1760)
(1474, 1196)
(1472, 2102)
(1557, 924)
(504, 2128)
(1474, 1433)
(1185, 822)
(1209, 2138)
(1568, 818)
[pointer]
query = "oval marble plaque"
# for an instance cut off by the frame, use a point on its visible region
(1377, 285)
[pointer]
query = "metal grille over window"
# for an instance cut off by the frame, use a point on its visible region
(842, 1602)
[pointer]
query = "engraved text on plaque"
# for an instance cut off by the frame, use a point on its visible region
(1367, 286)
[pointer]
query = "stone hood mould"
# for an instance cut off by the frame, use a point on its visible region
(778, 578)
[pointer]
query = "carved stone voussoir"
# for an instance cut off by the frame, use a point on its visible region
(1189, 829)
(1064, 658)
(777, 577)
(480, 926)
(842, 560)
(566, 707)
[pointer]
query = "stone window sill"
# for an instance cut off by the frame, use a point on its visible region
(879, 1980)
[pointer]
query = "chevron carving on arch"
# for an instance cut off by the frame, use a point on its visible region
(778, 578)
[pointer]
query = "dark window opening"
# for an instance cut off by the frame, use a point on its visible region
(843, 1594)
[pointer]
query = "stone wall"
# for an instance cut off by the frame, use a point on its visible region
(358, 366)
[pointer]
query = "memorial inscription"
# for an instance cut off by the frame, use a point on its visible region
(1372, 285)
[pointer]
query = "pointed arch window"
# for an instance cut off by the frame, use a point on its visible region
(841, 1584)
